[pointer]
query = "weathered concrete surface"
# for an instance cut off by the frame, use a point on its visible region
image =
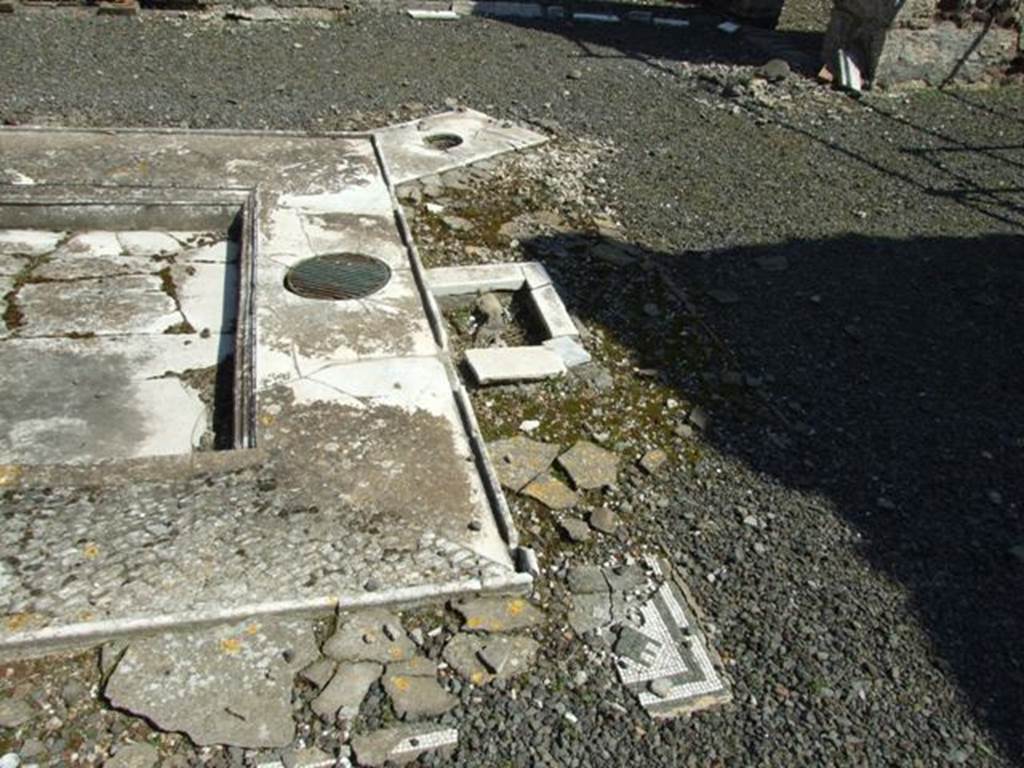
(227, 685)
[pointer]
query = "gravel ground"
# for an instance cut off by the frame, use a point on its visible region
(854, 274)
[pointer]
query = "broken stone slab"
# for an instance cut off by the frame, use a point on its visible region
(401, 744)
(553, 314)
(590, 611)
(137, 755)
(224, 685)
(319, 673)
(508, 654)
(417, 696)
(497, 614)
(344, 694)
(497, 365)
(569, 349)
(371, 635)
(653, 460)
(518, 460)
(457, 281)
(575, 529)
(604, 520)
(551, 492)
(589, 466)
(587, 579)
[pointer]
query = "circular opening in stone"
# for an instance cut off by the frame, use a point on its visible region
(337, 276)
(443, 141)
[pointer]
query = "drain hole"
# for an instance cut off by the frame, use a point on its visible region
(337, 276)
(443, 141)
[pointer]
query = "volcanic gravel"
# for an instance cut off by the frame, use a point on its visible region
(851, 523)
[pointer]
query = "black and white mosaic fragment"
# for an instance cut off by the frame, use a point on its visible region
(651, 623)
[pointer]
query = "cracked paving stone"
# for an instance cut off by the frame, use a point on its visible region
(344, 694)
(551, 492)
(136, 755)
(319, 673)
(590, 466)
(476, 658)
(223, 685)
(497, 614)
(400, 745)
(371, 635)
(416, 696)
(587, 578)
(519, 460)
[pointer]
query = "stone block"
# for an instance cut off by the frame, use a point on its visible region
(507, 364)
(458, 281)
(552, 312)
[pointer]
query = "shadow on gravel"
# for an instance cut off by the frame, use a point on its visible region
(699, 43)
(885, 374)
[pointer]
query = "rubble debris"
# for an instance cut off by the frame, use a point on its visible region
(15, 712)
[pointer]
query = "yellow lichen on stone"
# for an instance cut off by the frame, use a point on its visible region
(477, 678)
(231, 645)
(91, 551)
(252, 629)
(400, 683)
(9, 474)
(395, 652)
(515, 606)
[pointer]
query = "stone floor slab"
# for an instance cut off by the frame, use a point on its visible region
(497, 365)
(441, 142)
(227, 685)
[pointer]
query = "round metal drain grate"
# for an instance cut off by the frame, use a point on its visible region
(337, 276)
(443, 141)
